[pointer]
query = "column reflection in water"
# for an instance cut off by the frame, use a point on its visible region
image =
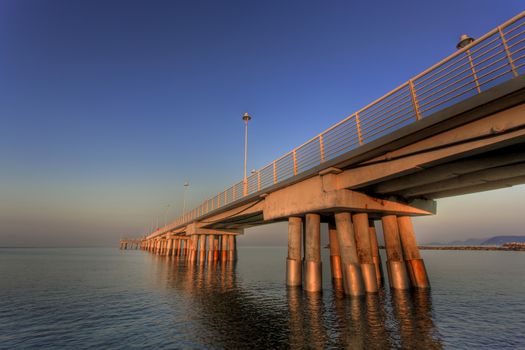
(413, 313)
(226, 310)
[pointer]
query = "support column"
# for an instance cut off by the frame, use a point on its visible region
(210, 248)
(364, 251)
(202, 249)
(176, 244)
(415, 265)
(169, 246)
(335, 255)
(224, 247)
(352, 278)
(397, 274)
(231, 247)
(216, 250)
(183, 247)
(313, 269)
(294, 265)
(193, 248)
(376, 257)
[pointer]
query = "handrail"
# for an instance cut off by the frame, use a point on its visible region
(432, 90)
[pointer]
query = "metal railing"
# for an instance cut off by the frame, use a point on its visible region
(496, 57)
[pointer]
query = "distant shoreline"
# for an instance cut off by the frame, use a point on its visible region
(465, 247)
(471, 247)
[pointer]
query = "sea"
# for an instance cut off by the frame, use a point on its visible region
(106, 298)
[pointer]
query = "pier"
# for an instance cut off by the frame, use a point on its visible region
(456, 128)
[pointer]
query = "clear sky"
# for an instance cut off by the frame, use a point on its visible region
(107, 107)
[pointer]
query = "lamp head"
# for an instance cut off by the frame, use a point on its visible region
(464, 40)
(246, 117)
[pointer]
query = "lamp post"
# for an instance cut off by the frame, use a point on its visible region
(246, 117)
(186, 185)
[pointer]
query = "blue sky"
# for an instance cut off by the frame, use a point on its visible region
(107, 107)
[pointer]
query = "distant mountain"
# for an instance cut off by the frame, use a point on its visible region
(499, 240)
(470, 241)
(495, 240)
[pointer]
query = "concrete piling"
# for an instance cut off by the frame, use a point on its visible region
(376, 257)
(313, 266)
(415, 265)
(294, 263)
(352, 277)
(397, 274)
(335, 255)
(364, 251)
(202, 249)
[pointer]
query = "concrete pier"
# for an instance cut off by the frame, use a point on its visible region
(169, 247)
(202, 249)
(352, 277)
(415, 265)
(193, 248)
(294, 263)
(364, 251)
(231, 247)
(216, 250)
(210, 248)
(376, 257)
(335, 255)
(224, 248)
(312, 259)
(397, 274)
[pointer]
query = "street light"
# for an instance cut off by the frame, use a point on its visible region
(246, 117)
(186, 185)
(464, 40)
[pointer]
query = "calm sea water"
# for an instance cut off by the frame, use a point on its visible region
(109, 299)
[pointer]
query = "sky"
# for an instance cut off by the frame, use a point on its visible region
(108, 107)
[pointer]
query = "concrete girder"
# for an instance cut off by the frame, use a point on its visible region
(310, 196)
(496, 131)
(448, 171)
(468, 180)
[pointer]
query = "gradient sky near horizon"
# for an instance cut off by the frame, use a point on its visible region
(107, 107)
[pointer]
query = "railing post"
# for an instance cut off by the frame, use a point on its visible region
(321, 147)
(414, 99)
(258, 181)
(509, 57)
(274, 173)
(473, 71)
(294, 163)
(358, 126)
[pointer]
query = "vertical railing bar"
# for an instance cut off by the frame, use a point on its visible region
(509, 57)
(414, 99)
(294, 162)
(358, 126)
(474, 74)
(274, 173)
(259, 180)
(321, 147)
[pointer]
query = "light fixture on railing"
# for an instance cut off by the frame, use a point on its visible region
(464, 40)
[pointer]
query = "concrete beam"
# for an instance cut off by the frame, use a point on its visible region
(488, 186)
(496, 131)
(448, 171)
(467, 180)
(194, 229)
(310, 196)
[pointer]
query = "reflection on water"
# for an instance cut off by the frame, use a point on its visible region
(111, 299)
(233, 315)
